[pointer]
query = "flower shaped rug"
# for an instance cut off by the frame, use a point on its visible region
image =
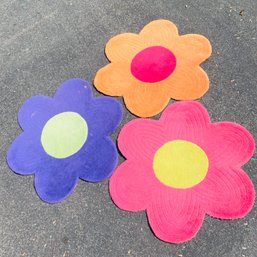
(151, 67)
(180, 168)
(66, 138)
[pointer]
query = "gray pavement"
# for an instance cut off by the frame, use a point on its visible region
(43, 43)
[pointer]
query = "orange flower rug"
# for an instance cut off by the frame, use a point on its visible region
(150, 68)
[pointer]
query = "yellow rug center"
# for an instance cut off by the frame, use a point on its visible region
(64, 134)
(180, 164)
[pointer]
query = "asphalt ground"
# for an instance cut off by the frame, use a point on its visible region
(43, 43)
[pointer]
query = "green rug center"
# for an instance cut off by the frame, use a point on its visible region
(64, 134)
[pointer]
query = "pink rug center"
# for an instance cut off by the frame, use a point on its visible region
(153, 64)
